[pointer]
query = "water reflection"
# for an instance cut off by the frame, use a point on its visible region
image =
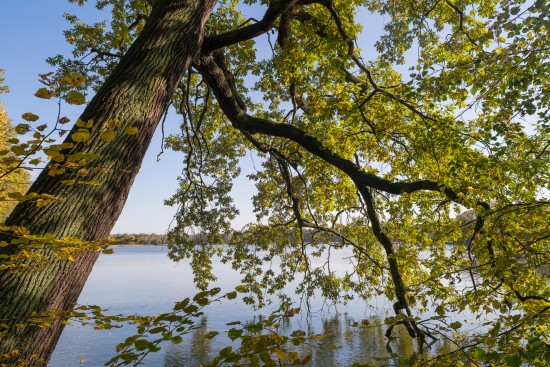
(346, 341)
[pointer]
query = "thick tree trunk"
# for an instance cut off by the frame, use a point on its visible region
(137, 93)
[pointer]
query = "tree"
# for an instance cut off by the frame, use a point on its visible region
(383, 160)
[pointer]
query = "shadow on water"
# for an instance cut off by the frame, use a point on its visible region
(346, 341)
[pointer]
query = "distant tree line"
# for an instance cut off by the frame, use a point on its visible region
(139, 239)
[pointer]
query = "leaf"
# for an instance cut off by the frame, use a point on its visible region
(28, 116)
(44, 93)
(203, 301)
(234, 333)
(455, 325)
(85, 124)
(513, 361)
(241, 288)
(181, 304)
(176, 339)
(131, 130)
(142, 344)
(22, 128)
(200, 295)
(74, 79)
(108, 135)
(80, 136)
(76, 98)
(226, 352)
(232, 295)
(211, 334)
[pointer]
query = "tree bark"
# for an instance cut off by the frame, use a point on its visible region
(137, 93)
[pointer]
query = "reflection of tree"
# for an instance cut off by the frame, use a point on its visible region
(346, 341)
(350, 341)
(194, 353)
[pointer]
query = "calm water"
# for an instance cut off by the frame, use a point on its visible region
(143, 280)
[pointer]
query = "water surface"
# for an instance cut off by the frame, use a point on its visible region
(142, 280)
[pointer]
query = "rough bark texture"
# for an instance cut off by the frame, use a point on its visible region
(137, 93)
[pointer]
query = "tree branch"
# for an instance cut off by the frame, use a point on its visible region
(276, 8)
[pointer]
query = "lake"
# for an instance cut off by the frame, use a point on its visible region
(142, 280)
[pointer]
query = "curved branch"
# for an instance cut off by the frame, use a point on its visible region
(276, 8)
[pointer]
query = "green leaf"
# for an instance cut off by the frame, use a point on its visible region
(513, 361)
(455, 325)
(203, 301)
(211, 334)
(181, 304)
(226, 352)
(176, 339)
(142, 344)
(241, 288)
(234, 333)
(232, 295)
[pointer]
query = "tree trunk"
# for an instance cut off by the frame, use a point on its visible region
(137, 93)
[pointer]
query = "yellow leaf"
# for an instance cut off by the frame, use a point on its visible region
(84, 124)
(74, 97)
(111, 124)
(82, 172)
(108, 135)
(44, 93)
(74, 79)
(131, 130)
(80, 136)
(68, 182)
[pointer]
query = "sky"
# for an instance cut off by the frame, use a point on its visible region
(31, 31)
